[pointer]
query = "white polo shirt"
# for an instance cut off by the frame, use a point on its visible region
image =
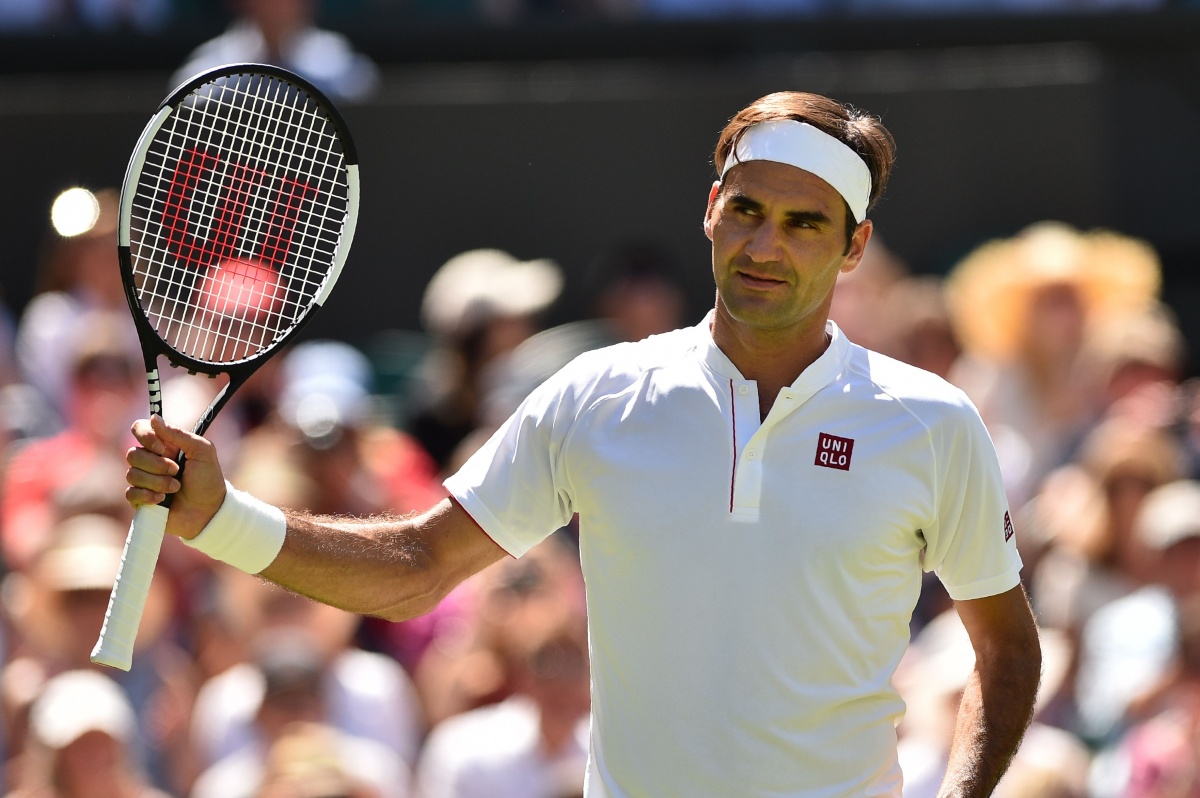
(749, 584)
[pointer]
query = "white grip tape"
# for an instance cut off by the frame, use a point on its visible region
(128, 599)
(246, 532)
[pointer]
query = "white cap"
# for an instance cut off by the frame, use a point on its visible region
(483, 284)
(84, 555)
(76, 702)
(326, 384)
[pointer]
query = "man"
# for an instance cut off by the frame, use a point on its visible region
(757, 498)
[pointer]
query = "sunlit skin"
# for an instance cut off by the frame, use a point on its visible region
(779, 243)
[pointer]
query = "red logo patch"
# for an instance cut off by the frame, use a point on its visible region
(834, 452)
(1008, 527)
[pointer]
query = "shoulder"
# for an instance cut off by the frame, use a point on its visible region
(612, 369)
(922, 393)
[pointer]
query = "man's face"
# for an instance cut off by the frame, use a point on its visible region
(779, 242)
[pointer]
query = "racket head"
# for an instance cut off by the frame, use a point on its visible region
(237, 214)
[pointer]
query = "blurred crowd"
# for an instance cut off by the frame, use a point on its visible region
(240, 690)
(156, 16)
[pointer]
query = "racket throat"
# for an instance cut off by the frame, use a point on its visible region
(154, 390)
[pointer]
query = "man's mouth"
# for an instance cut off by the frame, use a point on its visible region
(758, 279)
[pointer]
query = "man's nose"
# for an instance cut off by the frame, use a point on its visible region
(764, 245)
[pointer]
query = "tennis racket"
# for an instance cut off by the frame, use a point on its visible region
(237, 214)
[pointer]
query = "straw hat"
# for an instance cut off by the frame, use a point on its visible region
(989, 291)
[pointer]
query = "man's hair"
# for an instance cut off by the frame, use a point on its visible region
(858, 130)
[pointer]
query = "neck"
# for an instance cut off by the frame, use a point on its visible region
(772, 358)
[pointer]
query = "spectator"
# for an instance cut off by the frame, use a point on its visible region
(143, 15)
(78, 274)
(102, 394)
(1022, 308)
(914, 325)
(284, 33)
(364, 694)
(931, 678)
(57, 611)
(1161, 755)
(859, 302)
(468, 666)
(533, 744)
(293, 682)
(301, 764)
(353, 463)
(1144, 352)
(732, 9)
(41, 15)
(479, 305)
(81, 729)
(328, 454)
(636, 292)
(1086, 516)
(1127, 645)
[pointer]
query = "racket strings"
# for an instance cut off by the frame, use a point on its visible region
(237, 216)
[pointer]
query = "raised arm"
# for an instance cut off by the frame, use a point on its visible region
(997, 704)
(395, 568)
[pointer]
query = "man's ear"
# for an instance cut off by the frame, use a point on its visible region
(858, 245)
(708, 212)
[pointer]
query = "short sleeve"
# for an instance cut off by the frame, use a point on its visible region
(971, 544)
(513, 486)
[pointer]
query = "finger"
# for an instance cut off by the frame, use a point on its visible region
(151, 463)
(139, 496)
(193, 446)
(145, 435)
(146, 480)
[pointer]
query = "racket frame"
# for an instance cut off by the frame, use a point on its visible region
(152, 344)
(116, 642)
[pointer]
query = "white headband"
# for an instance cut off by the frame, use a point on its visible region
(801, 145)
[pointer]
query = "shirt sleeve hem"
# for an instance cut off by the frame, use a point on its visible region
(486, 521)
(986, 587)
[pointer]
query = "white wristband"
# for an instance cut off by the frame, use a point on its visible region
(246, 532)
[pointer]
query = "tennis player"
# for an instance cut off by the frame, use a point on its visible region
(757, 495)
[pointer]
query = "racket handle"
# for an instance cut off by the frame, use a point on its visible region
(132, 585)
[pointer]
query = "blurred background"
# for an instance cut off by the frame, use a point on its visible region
(564, 128)
(534, 181)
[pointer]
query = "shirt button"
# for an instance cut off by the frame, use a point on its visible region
(750, 454)
(743, 389)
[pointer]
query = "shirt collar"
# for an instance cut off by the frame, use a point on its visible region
(824, 370)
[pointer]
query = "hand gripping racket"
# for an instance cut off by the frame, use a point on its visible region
(237, 213)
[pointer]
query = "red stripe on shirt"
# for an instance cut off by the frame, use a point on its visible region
(733, 472)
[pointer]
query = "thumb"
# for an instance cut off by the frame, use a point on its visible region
(193, 446)
(202, 485)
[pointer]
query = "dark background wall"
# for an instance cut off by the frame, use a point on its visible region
(565, 141)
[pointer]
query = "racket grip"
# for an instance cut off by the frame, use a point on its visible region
(132, 585)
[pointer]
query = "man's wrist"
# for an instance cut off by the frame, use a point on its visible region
(246, 532)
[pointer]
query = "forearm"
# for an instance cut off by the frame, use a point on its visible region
(377, 566)
(996, 708)
(396, 568)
